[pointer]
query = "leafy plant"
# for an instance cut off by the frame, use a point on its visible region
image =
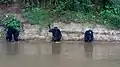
(110, 20)
(38, 16)
(11, 21)
(6, 1)
(106, 12)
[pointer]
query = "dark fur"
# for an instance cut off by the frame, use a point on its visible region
(56, 34)
(12, 33)
(88, 37)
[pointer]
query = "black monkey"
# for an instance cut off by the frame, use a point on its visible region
(88, 37)
(56, 34)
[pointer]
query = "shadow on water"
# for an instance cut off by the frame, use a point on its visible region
(56, 48)
(12, 48)
(88, 49)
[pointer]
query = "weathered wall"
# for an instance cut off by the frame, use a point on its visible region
(70, 32)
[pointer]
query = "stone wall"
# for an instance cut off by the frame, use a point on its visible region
(73, 31)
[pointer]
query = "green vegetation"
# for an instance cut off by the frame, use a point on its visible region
(44, 12)
(110, 20)
(11, 21)
(6, 1)
(37, 16)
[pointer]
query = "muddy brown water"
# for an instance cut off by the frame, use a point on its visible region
(64, 54)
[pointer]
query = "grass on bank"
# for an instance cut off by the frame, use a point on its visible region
(44, 17)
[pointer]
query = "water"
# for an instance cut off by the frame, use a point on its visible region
(64, 54)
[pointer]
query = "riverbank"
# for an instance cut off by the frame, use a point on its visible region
(70, 32)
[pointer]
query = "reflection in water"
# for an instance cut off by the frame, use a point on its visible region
(12, 48)
(66, 54)
(56, 48)
(88, 48)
